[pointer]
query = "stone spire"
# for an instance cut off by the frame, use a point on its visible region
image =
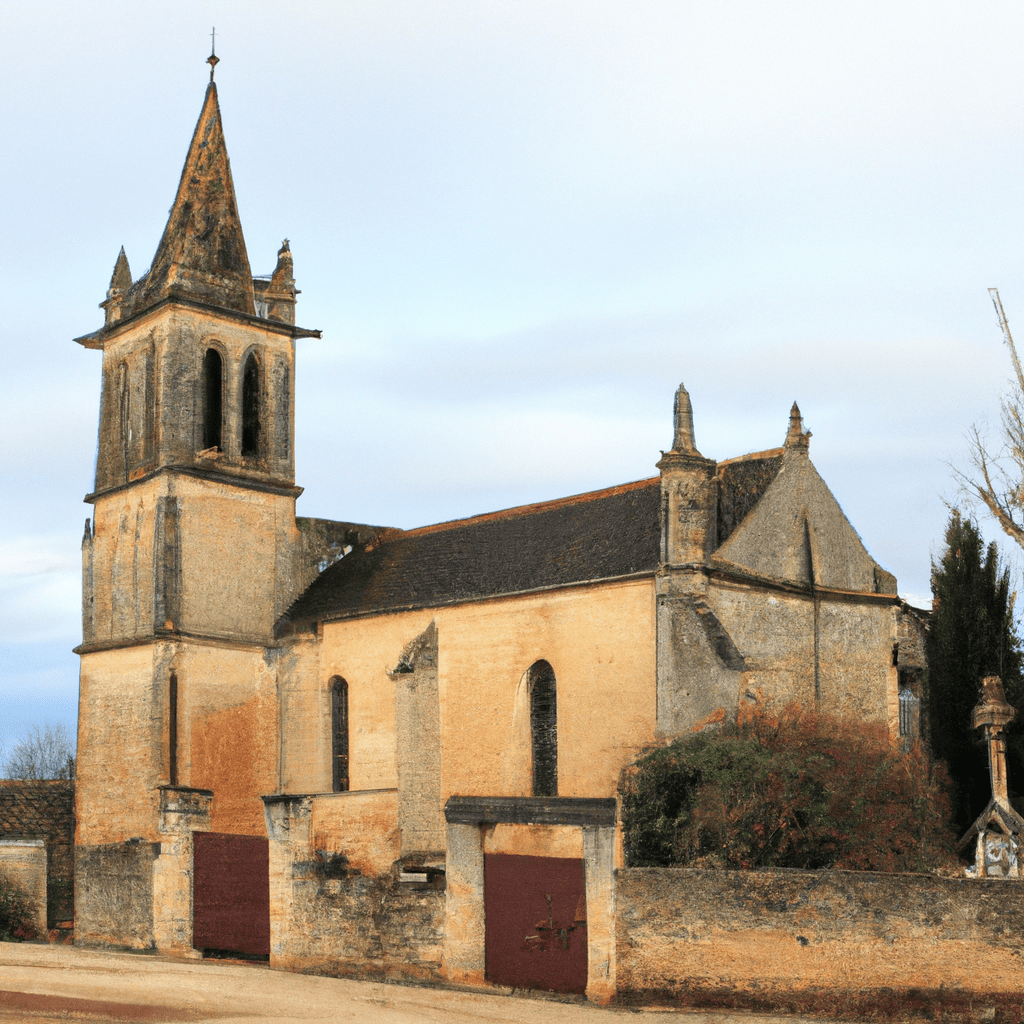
(202, 254)
(281, 291)
(121, 279)
(689, 495)
(120, 282)
(683, 417)
(796, 437)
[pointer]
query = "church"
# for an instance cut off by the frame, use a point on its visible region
(360, 750)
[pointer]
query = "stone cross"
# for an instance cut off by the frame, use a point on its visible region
(994, 714)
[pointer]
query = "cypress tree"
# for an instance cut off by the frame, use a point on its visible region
(972, 635)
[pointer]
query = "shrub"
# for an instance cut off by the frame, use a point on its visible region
(16, 917)
(796, 789)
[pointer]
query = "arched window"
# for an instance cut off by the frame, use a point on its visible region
(544, 729)
(213, 384)
(339, 734)
(251, 406)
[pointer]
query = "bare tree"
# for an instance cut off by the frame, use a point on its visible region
(997, 479)
(46, 753)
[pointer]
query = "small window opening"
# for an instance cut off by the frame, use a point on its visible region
(172, 729)
(909, 713)
(895, 655)
(544, 729)
(339, 734)
(213, 375)
(251, 407)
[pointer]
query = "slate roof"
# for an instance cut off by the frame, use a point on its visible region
(742, 482)
(797, 524)
(765, 510)
(599, 535)
(31, 809)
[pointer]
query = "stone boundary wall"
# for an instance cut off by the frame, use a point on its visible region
(114, 894)
(347, 923)
(339, 904)
(45, 809)
(23, 861)
(802, 939)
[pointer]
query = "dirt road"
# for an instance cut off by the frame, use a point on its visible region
(44, 984)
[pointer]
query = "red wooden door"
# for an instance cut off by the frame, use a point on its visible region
(535, 922)
(231, 894)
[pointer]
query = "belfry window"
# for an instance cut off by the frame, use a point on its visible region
(251, 407)
(339, 734)
(213, 385)
(544, 729)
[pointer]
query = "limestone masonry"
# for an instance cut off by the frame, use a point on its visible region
(420, 731)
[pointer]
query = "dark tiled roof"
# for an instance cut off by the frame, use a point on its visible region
(31, 809)
(742, 481)
(592, 536)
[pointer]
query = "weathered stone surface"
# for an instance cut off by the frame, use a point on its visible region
(463, 959)
(418, 745)
(539, 810)
(45, 809)
(335, 908)
(599, 862)
(202, 252)
(682, 930)
(23, 862)
(114, 894)
(360, 826)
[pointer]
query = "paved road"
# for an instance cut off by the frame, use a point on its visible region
(44, 984)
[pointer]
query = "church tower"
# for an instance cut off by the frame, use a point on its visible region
(192, 552)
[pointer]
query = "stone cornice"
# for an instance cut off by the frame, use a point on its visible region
(99, 338)
(230, 479)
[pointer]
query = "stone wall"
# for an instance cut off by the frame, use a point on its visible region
(23, 862)
(599, 640)
(361, 826)
(801, 938)
(114, 894)
(344, 922)
(45, 809)
(338, 902)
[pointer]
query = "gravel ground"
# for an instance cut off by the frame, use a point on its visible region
(44, 984)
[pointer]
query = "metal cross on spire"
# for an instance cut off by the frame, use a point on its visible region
(213, 60)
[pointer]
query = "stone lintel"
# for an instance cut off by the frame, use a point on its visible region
(530, 810)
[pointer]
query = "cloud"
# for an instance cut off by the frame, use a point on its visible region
(520, 226)
(40, 588)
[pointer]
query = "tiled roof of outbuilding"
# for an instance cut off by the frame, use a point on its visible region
(599, 535)
(34, 809)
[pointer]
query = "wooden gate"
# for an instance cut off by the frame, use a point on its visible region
(535, 922)
(231, 894)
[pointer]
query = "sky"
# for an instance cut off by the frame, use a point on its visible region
(520, 224)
